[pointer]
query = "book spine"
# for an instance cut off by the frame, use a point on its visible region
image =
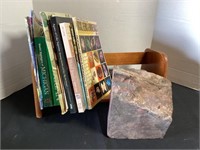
(78, 65)
(69, 50)
(64, 103)
(29, 29)
(89, 106)
(63, 65)
(40, 47)
(57, 92)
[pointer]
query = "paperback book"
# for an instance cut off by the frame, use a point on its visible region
(96, 77)
(41, 55)
(30, 36)
(66, 33)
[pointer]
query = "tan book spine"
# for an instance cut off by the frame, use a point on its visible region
(70, 54)
(81, 58)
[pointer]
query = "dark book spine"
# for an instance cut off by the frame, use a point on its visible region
(62, 64)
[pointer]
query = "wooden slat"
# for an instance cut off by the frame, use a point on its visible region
(126, 58)
(152, 61)
(38, 112)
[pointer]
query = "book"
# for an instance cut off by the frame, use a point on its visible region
(30, 36)
(63, 64)
(41, 56)
(73, 50)
(66, 34)
(57, 91)
(70, 20)
(78, 62)
(96, 77)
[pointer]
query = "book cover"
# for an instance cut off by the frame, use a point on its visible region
(30, 36)
(41, 50)
(58, 94)
(63, 64)
(65, 29)
(96, 77)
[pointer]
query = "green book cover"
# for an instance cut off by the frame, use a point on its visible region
(60, 99)
(55, 85)
(41, 55)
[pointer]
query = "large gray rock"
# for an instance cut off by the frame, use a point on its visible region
(140, 105)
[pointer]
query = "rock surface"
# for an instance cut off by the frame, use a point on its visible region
(140, 105)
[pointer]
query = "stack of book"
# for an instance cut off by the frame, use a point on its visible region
(70, 69)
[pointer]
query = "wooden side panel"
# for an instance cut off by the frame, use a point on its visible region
(38, 112)
(156, 62)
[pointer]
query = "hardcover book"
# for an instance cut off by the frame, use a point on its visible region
(96, 77)
(41, 55)
(63, 64)
(58, 94)
(30, 36)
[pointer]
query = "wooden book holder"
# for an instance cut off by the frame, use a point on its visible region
(150, 60)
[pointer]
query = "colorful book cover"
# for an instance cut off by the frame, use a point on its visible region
(30, 36)
(63, 63)
(96, 77)
(41, 55)
(58, 94)
(73, 68)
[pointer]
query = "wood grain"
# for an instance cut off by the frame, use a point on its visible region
(156, 62)
(38, 112)
(126, 58)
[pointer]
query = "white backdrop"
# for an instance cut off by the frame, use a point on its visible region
(14, 54)
(177, 33)
(124, 25)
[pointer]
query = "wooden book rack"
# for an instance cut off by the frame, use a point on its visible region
(150, 60)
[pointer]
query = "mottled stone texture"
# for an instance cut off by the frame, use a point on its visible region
(140, 105)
